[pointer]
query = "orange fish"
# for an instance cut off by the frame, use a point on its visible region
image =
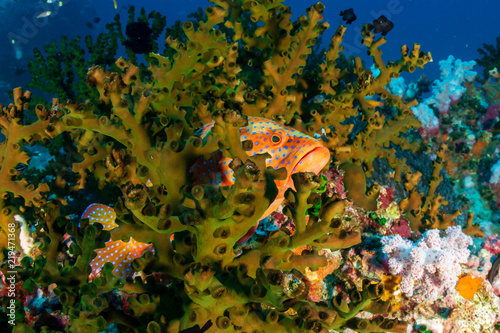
(119, 253)
(375, 103)
(289, 148)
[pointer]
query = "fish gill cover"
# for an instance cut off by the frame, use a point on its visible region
(131, 140)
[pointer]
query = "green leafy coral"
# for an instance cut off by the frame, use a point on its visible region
(139, 136)
(61, 68)
(490, 57)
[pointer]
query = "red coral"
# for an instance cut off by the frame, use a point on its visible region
(492, 244)
(402, 228)
(335, 183)
(385, 198)
(281, 220)
(491, 113)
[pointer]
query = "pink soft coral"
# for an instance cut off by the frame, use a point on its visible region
(492, 244)
(430, 266)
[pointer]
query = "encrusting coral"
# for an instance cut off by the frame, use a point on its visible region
(142, 138)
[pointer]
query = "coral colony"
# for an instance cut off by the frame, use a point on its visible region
(244, 183)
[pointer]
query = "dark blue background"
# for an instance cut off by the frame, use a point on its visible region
(441, 27)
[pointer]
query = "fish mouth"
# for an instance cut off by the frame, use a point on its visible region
(314, 161)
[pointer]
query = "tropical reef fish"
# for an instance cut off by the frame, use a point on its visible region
(289, 148)
(382, 24)
(318, 98)
(44, 14)
(375, 103)
(348, 15)
(119, 253)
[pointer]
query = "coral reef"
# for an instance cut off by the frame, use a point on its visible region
(320, 269)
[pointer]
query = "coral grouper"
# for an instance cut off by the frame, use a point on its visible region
(287, 147)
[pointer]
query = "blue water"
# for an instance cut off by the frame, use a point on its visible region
(441, 27)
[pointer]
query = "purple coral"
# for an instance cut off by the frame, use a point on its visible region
(430, 266)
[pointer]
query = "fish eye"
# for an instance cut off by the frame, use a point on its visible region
(276, 139)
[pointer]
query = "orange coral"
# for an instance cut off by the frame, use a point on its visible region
(467, 286)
